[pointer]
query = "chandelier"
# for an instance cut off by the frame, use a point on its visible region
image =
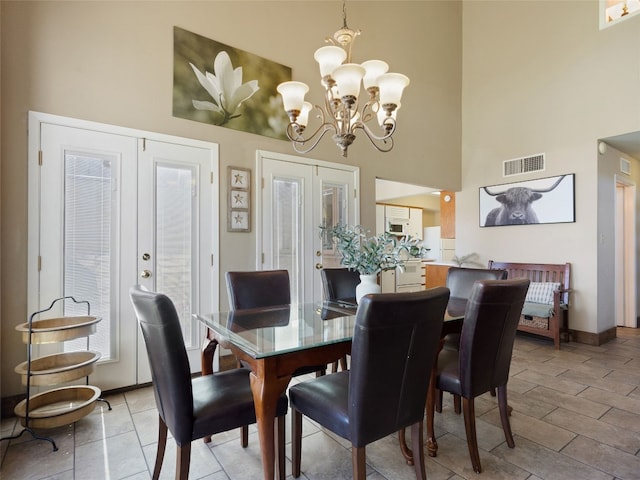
(342, 114)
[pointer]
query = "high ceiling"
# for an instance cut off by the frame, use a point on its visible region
(387, 190)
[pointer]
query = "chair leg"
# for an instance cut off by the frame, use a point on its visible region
(504, 415)
(468, 409)
(433, 393)
(296, 442)
(417, 439)
(183, 457)
(162, 444)
(244, 436)
(438, 400)
(358, 460)
(404, 448)
(456, 404)
(280, 453)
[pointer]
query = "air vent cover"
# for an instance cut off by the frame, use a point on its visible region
(625, 166)
(517, 166)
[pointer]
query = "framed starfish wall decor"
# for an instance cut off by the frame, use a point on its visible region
(239, 200)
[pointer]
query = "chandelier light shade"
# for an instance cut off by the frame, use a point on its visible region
(293, 95)
(345, 110)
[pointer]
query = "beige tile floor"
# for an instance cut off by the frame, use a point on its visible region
(576, 415)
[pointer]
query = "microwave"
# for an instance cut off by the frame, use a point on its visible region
(397, 226)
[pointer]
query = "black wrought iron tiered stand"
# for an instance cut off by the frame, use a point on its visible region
(62, 405)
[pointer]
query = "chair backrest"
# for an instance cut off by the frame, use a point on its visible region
(261, 288)
(168, 360)
(394, 347)
(339, 284)
(488, 332)
(460, 280)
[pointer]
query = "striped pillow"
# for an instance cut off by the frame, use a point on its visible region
(541, 292)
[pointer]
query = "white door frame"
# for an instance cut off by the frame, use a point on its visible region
(625, 252)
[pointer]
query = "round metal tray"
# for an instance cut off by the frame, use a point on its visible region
(59, 367)
(51, 330)
(58, 407)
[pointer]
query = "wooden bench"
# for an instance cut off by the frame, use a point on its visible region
(546, 310)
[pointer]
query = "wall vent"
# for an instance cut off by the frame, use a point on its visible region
(625, 166)
(517, 166)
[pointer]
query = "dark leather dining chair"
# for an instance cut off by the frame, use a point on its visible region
(394, 346)
(339, 285)
(263, 288)
(192, 408)
(460, 282)
(482, 362)
(259, 289)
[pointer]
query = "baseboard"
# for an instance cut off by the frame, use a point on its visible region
(595, 339)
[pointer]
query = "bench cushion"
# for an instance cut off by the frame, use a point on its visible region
(541, 292)
(530, 309)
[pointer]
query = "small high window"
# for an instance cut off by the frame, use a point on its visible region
(614, 11)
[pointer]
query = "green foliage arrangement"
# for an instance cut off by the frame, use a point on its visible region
(371, 255)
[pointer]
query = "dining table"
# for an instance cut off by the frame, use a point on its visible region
(276, 341)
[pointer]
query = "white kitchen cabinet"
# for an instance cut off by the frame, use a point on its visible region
(400, 213)
(415, 222)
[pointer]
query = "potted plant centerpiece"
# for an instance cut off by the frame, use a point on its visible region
(371, 255)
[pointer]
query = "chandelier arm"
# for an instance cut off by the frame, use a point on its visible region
(386, 139)
(368, 111)
(390, 129)
(298, 141)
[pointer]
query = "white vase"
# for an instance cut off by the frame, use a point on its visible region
(368, 284)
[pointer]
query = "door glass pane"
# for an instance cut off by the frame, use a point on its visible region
(89, 239)
(175, 236)
(287, 231)
(334, 211)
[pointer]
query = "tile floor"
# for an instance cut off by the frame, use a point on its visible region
(576, 415)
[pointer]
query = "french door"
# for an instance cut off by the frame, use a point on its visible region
(298, 197)
(112, 209)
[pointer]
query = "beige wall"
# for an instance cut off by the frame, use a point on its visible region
(111, 62)
(541, 77)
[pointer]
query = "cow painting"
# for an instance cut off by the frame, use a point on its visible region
(516, 205)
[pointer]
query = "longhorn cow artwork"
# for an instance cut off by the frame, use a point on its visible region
(546, 200)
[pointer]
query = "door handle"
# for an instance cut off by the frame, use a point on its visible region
(145, 274)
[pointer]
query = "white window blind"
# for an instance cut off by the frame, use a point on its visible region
(89, 238)
(175, 239)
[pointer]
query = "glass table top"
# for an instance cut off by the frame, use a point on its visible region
(264, 332)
